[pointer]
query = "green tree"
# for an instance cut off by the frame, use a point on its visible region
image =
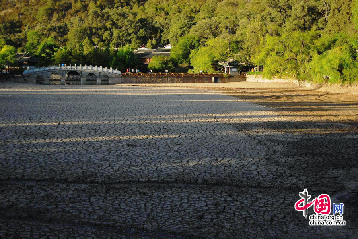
(45, 12)
(180, 52)
(160, 63)
(33, 42)
(287, 55)
(46, 52)
(7, 56)
(125, 59)
(206, 29)
(99, 57)
(202, 60)
(216, 51)
(63, 56)
(180, 24)
(306, 15)
(337, 64)
(77, 33)
(355, 13)
(340, 16)
(221, 48)
(88, 46)
(2, 43)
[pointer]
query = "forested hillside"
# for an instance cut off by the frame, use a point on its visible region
(315, 40)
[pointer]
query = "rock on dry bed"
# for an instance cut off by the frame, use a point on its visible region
(144, 162)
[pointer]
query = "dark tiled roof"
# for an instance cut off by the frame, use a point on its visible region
(21, 58)
(149, 53)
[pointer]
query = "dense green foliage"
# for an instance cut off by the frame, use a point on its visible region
(313, 40)
(160, 63)
(7, 56)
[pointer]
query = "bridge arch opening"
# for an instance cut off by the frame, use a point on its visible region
(105, 80)
(73, 78)
(55, 78)
(91, 79)
(40, 79)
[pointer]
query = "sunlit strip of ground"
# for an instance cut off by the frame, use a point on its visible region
(190, 118)
(219, 120)
(111, 138)
(93, 139)
(110, 93)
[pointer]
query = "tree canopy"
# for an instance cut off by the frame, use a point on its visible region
(7, 56)
(306, 39)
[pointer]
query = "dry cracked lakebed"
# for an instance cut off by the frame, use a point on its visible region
(165, 162)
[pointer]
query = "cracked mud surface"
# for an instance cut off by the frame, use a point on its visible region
(165, 162)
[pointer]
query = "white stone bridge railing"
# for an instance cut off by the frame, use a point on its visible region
(85, 68)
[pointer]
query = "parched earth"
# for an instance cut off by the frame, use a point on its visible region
(171, 162)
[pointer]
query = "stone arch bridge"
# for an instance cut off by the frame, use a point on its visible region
(74, 75)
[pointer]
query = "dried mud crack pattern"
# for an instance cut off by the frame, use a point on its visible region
(142, 162)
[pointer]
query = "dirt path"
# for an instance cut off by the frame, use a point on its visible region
(300, 104)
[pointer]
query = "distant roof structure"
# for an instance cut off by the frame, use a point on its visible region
(25, 60)
(147, 54)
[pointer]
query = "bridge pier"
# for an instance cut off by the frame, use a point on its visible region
(47, 79)
(63, 80)
(83, 80)
(92, 79)
(104, 80)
